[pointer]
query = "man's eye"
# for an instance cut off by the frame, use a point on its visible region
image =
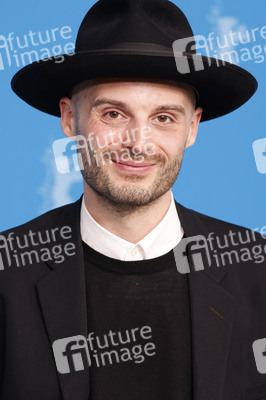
(163, 118)
(113, 114)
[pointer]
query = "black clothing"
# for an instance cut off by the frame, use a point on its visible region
(45, 301)
(122, 295)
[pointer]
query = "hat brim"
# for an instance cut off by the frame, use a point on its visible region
(222, 87)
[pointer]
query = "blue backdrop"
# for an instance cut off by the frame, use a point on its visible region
(219, 176)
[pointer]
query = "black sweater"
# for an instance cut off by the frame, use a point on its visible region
(139, 329)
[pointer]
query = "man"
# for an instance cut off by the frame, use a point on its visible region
(126, 294)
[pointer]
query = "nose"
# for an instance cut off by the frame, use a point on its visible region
(136, 136)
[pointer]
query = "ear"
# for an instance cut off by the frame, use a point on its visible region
(194, 125)
(67, 116)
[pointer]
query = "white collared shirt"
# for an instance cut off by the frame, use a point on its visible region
(162, 239)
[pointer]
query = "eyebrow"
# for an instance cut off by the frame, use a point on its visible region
(171, 107)
(105, 100)
(120, 104)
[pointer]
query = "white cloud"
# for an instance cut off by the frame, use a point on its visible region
(55, 191)
(221, 25)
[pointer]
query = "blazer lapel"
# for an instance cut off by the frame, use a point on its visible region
(62, 296)
(212, 314)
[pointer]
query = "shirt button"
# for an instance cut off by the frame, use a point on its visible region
(134, 252)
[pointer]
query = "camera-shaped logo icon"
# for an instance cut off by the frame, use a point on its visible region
(183, 47)
(259, 349)
(192, 251)
(5, 257)
(71, 354)
(67, 153)
(259, 150)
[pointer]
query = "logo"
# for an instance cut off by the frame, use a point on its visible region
(67, 154)
(32, 248)
(193, 250)
(72, 153)
(77, 352)
(4, 246)
(71, 354)
(259, 349)
(186, 58)
(4, 45)
(27, 48)
(259, 150)
(184, 46)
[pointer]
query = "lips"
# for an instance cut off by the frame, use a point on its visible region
(133, 164)
(130, 166)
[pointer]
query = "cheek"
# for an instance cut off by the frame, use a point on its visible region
(99, 131)
(172, 145)
(93, 125)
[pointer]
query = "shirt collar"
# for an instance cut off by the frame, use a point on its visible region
(162, 239)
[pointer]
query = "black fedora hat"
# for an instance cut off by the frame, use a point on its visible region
(134, 39)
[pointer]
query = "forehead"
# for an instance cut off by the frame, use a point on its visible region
(154, 89)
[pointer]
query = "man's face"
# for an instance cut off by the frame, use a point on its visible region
(136, 132)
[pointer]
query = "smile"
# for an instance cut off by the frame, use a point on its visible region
(135, 167)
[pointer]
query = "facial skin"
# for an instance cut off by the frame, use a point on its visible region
(165, 109)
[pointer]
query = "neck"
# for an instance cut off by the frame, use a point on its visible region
(131, 225)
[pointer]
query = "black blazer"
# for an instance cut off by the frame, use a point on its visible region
(46, 301)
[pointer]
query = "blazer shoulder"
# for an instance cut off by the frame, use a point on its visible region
(46, 220)
(197, 220)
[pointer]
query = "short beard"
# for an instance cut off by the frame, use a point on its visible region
(129, 197)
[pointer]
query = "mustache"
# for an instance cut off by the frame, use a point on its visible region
(119, 155)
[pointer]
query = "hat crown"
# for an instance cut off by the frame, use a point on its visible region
(134, 39)
(109, 23)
